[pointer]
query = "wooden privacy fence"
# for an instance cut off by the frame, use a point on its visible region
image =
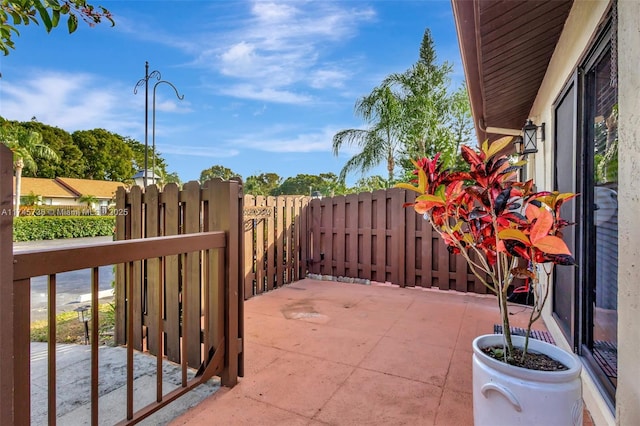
(182, 305)
(275, 242)
(371, 236)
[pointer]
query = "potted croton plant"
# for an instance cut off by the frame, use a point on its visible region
(505, 230)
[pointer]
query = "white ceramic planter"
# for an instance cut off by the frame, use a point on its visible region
(507, 395)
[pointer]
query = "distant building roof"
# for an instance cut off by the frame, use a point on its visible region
(68, 187)
(97, 188)
(44, 187)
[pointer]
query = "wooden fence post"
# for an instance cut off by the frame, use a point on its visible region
(230, 219)
(15, 366)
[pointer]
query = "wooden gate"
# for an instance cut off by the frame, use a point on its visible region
(178, 304)
(275, 242)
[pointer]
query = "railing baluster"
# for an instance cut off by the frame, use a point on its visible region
(51, 359)
(206, 254)
(185, 316)
(95, 319)
(160, 308)
(130, 341)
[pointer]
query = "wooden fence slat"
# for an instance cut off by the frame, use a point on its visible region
(259, 252)
(461, 276)
(427, 254)
(397, 241)
(249, 261)
(365, 249)
(289, 236)
(123, 223)
(442, 262)
(172, 281)
(340, 230)
(137, 229)
(152, 265)
(351, 239)
(218, 219)
(280, 237)
(411, 237)
(315, 231)
(380, 227)
(191, 326)
(478, 287)
(326, 265)
(305, 237)
(298, 234)
(271, 244)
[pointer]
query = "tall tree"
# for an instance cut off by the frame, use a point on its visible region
(303, 184)
(425, 104)
(369, 184)
(380, 140)
(262, 184)
(106, 155)
(71, 162)
(460, 122)
(25, 145)
(172, 177)
(14, 13)
(138, 149)
(217, 171)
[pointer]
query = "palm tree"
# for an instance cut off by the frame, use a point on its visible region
(25, 145)
(381, 140)
(426, 105)
(89, 199)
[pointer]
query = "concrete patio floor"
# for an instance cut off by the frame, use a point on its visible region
(323, 352)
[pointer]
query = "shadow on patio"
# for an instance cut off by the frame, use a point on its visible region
(322, 352)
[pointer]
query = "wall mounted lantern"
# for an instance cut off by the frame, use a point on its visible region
(528, 144)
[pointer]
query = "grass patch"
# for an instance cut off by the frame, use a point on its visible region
(70, 330)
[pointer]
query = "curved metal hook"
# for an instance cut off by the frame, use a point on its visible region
(143, 81)
(153, 125)
(181, 97)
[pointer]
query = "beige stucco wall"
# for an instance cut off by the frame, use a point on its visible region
(628, 392)
(577, 37)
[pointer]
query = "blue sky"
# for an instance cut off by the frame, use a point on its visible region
(266, 84)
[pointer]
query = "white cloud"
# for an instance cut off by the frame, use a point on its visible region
(283, 47)
(273, 12)
(278, 46)
(197, 151)
(324, 78)
(80, 101)
(268, 94)
(69, 101)
(279, 139)
(239, 57)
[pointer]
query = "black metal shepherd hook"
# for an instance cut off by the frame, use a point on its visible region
(145, 82)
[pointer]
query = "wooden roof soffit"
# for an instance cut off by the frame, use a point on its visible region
(506, 47)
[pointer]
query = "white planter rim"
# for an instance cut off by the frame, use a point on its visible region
(568, 359)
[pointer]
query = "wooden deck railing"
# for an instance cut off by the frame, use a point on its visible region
(29, 264)
(208, 306)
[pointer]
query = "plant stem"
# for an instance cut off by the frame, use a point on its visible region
(506, 330)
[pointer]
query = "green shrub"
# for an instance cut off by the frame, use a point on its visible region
(31, 228)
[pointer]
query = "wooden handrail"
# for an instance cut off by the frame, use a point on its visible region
(35, 263)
